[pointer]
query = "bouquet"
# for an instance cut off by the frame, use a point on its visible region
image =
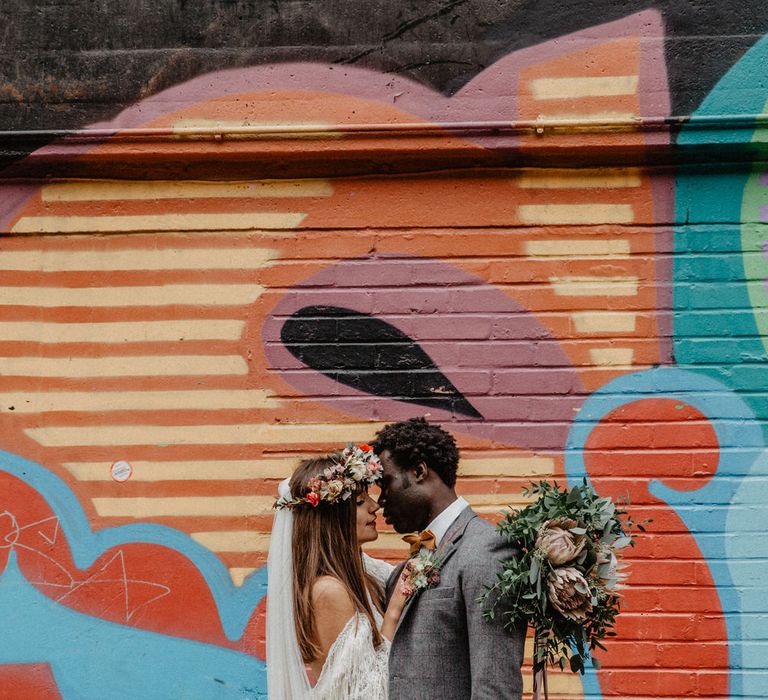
(564, 581)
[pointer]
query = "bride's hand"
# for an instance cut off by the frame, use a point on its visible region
(394, 611)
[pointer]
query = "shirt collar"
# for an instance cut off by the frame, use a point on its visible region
(439, 526)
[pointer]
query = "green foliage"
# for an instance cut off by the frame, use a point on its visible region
(523, 591)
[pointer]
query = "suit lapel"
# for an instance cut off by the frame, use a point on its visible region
(445, 550)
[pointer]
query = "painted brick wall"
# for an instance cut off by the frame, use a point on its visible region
(179, 322)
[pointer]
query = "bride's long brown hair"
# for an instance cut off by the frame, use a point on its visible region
(324, 543)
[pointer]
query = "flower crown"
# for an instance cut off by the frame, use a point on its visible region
(356, 467)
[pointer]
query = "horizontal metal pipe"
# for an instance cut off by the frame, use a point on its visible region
(408, 129)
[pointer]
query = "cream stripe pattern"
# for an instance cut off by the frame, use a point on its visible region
(579, 286)
(577, 248)
(126, 366)
(580, 178)
(240, 434)
(592, 322)
(612, 357)
(597, 213)
(181, 506)
(106, 401)
(167, 295)
(158, 222)
(190, 470)
(127, 332)
(579, 87)
(135, 259)
(107, 190)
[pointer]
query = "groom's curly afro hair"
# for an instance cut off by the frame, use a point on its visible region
(413, 441)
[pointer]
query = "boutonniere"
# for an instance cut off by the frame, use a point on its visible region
(419, 573)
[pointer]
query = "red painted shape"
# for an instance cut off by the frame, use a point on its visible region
(255, 636)
(141, 585)
(27, 682)
(670, 602)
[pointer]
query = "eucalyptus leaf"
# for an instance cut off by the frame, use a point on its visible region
(533, 574)
(576, 664)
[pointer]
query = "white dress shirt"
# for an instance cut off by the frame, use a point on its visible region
(439, 526)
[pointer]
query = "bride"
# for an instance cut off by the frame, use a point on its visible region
(325, 604)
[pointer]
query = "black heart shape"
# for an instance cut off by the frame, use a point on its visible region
(370, 355)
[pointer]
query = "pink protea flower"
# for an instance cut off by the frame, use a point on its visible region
(558, 543)
(568, 592)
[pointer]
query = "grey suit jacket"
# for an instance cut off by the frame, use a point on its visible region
(443, 648)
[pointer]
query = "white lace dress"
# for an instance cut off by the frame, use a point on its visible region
(354, 669)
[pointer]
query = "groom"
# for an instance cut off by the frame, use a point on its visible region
(443, 648)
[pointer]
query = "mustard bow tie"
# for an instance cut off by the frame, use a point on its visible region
(426, 538)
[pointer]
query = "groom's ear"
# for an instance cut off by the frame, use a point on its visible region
(420, 472)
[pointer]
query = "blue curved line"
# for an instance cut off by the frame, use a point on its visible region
(235, 605)
(741, 442)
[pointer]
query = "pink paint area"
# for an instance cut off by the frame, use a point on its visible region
(501, 359)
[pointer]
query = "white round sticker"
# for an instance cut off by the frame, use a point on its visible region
(122, 470)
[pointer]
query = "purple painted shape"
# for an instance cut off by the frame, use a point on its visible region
(12, 199)
(511, 379)
(764, 213)
(763, 179)
(490, 96)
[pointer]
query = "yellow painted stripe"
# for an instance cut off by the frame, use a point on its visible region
(279, 468)
(577, 248)
(583, 86)
(106, 401)
(612, 357)
(201, 506)
(597, 213)
(241, 434)
(240, 573)
(580, 178)
(388, 540)
(127, 332)
(595, 286)
(494, 502)
(251, 541)
(584, 118)
(167, 295)
(506, 466)
(151, 258)
(158, 222)
(561, 685)
(317, 130)
(200, 470)
(143, 366)
(233, 541)
(588, 322)
(107, 190)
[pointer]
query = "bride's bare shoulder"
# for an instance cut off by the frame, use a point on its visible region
(331, 596)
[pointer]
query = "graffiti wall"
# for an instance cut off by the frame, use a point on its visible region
(171, 344)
